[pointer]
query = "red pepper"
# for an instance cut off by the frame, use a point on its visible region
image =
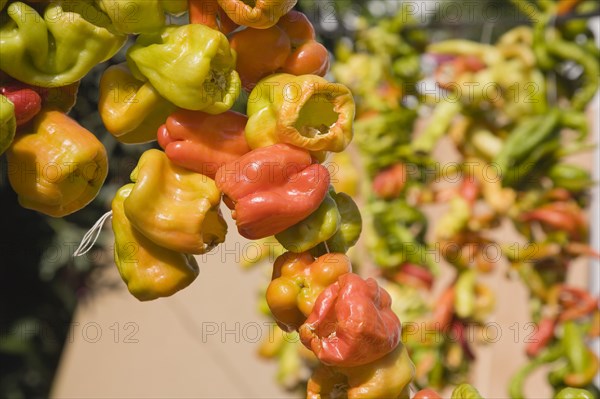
(543, 335)
(272, 188)
(203, 142)
(388, 183)
(352, 323)
(27, 102)
(288, 47)
(411, 274)
(561, 215)
(575, 302)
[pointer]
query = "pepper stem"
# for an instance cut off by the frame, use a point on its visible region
(89, 239)
(203, 12)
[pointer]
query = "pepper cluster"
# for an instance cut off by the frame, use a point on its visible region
(178, 87)
(499, 105)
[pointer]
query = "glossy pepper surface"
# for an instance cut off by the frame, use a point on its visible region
(297, 281)
(8, 123)
(131, 110)
(288, 47)
(349, 229)
(174, 207)
(191, 66)
(58, 167)
(26, 102)
(149, 270)
(388, 377)
(140, 16)
(306, 111)
(352, 323)
(318, 227)
(256, 14)
(272, 188)
(203, 142)
(59, 48)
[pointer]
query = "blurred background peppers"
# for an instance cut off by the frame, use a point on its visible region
(384, 59)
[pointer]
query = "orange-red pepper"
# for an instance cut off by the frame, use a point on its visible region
(272, 188)
(202, 142)
(352, 323)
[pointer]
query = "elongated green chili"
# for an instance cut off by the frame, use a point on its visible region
(549, 355)
(591, 69)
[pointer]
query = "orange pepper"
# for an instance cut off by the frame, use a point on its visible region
(288, 47)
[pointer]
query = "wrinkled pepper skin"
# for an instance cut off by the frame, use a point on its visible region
(352, 323)
(192, 66)
(57, 166)
(8, 123)
(174, 207)
(288, 47)
(130, 109)
(259, 14)
(149, 270)
(59, 48)
(318, 227)
(140, 16)
(203, 142)
(388, 377)
(306, 111)
(272, 188)
(297, 281)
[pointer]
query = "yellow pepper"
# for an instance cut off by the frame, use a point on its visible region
(175, 208)
(57, 167)
(149, 270)
(58, 49)
(306, 111)
(8, 123)
(192, 66)
(131, 110)
(387, 377)
(140, 16)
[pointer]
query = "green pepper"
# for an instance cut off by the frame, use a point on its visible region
(591, 69)
(319, 226)
(8, 123)
(464, 300)
(192, 66)
(574, 393)
(525, 138)
(140, 16)
(350, 225)
(465, 391)
(571, 177)
(438, 125)
(583, 362)
(58, 49)
(515, 387)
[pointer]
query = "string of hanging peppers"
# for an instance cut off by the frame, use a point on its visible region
(179, 86)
